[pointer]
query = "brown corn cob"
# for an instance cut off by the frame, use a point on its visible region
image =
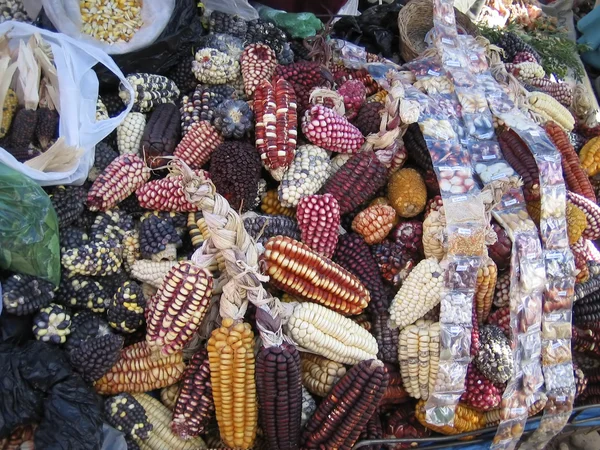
(175, 312)
(465, 419)
(118, 181)
(387, 339)
(271, 205)
(356, 181)
(374, 223)
(363, 320)
(276, 125)
(194, 407)
(161, 437)
(575, 177)
(198, 144)
(23, 128)
(161, 134)
(279, 389)
(139, 370)
(320, 374)
(319, 221)
(296, 269)
(521, 159)
(395, 392)
(341, 417)
(232, 367)
(258, 62)
(484, 291)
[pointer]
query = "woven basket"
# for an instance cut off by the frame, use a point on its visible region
(414, 22)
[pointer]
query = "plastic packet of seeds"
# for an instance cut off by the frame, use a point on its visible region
(489, 171)
(550, 169)
(450, 377)
(515, 219)
(457, 307)
(430, 66)
(549, 427)
(448, 104)
(445, 38)
(441, 130)
(484, 151)
(465, 208)
(532, 275)
(512, 199)
(455, 180)
(435, 85)
(556, 352)
(529, 312)
(472, 100)
(440, 408)
(454, 59)
(508, 434)
(560, 401)
(559, 265)
(447, 153)
(466, 239)
(530, 344)
(350, 54)
(479, 125)
(559, 376)
(533, 378)
(556, 330)
(455, 342)
(463, 79)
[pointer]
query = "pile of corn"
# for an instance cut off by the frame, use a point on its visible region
(350, 237)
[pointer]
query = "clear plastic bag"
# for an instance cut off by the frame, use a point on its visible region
(28, 228)
(65, 15)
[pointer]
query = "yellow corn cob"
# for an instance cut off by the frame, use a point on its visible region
(8, 111)
(232, 367)
(320, 374)
(329, 334)
(205, 232)
(486, 285)
(590, 157)
(139, 370)
(465, 419)
(271, 205)
(168, 395)
(378, 97)
(551, 110)
(195, 234)
(161, 437)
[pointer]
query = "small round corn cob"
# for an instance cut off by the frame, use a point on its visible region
(118, 181)
(590, 156)
(234, 119)
(374, 223)
(200, 141)
(194, 407)
(214, 67)
(95, 259)
(175, 312)
(82, 292)
(52, 324)
(420, 292)
(95, 356)
(158, 239)
(25, 294)
(258, 62)
(139, 369)
(407, 192)
(125, 311)
(320, 374)
(319, 221)
(124, 413)
(296, 269)
(330, 334)
(330, 131)
(495, 359)
(149, 91)
(232, 375)
(130, 132)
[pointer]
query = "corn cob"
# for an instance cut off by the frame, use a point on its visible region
(131, 249)
(149, 91)
(178, 307)
(521, 159)
(354, 255)
(331, 335)
(170, 394)
(501, 293)
(232, 370)
(550, 110)
(581, 265)
(151, 272)
(52, 324)
(592, 214)
(118, 181)
(139, 370)
(25, 294)
(575, 177)
(342, 416)
(125, 312)
(319, 221)
(158, 239)
(276, 123)
(96, 355)
(161, 437)
(395, 392)
(167, 194)
(484, 290)
(338, 161)
(194, 230)
(296, 269)
(480, 393)
(271, 205)
(46, 127)
(96, 259)
(387, 339)
(560, 91)
(361, 75)
(590, 156)
(420, 292)
(21, 438)
(327, 129)
(258, 62)
(279, 388)
(374, 223)
(130, 132)
(198, 144)
(69, 203)
(104, 155)
(466, 419)
(161, 135)
(8, 111)
(124, 413)
(262, 228)
(23, 129)
(214, 67)
(194, 407)
(494, 416)
(356, 181)
(82, 292)
(320, 374)
(354, 95)
(306, 174)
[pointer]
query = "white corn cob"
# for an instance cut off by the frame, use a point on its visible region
(330, 334)
(129, 133)
(151, 272)
(551, 110)
(161, 437)
(420, 292)
(320, 374)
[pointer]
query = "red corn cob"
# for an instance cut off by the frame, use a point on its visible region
(118, 181)
(354, 94)
(361, 75)
(194, 408)
(319, 221)
(167, 194)
(327, 129)
(198, 144)
(276, 125)
(560, 91)
(258, 62)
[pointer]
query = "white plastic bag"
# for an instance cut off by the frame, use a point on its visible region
(236, 7)
(78, 94)
(66, 17)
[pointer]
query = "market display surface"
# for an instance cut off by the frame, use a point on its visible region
(299, 244)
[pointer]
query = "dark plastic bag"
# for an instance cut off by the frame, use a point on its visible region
(72, 418)
(28, 228)
(181, 33)
(15, 330)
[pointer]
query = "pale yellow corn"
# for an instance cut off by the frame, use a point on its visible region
(111, 21)
(550, 109)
